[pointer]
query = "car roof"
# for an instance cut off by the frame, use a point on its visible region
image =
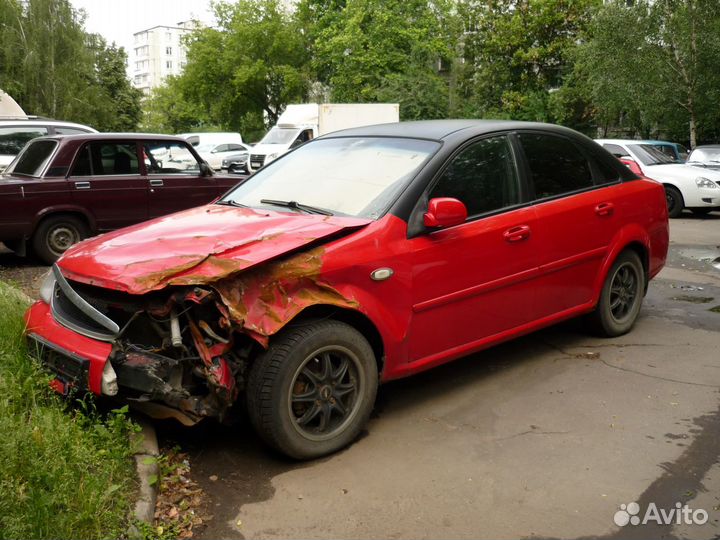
(40, 122)
(115, 136)
(442, 129)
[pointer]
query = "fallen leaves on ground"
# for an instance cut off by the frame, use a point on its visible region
(181, 504)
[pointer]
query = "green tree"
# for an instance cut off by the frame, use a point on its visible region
(119, 108)
(658, 75)
(52, 67)
(167, 110)
(247, 69)
(517, 55)
(387, 50)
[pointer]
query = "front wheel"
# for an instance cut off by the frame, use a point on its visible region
(621, 296)
(675, 201)
(312, 391)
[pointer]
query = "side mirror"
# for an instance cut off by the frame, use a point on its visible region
(205, 169)
(444, 212)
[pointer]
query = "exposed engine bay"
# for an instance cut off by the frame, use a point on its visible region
(175, 354)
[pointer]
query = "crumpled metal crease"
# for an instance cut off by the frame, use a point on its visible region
(262, 300)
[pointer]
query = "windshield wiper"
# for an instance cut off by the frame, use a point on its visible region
(230, 202)
(297, 206)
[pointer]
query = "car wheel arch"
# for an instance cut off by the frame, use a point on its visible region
(354, 318)
(47, 213)
(632, 237)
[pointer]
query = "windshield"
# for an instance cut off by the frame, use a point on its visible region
(705, 155)
(32, 161)
(649, 154)
(280, 136)
(354, 176)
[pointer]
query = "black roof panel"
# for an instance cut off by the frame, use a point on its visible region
(441, 129)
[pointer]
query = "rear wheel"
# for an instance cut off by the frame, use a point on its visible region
(312, 391)
(675, 201)
(621, 296)
(56, 234)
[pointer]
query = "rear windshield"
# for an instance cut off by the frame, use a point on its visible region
(32, 161)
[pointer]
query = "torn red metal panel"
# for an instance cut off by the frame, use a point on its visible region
(263, 300)
(194, 247)
(218, 371)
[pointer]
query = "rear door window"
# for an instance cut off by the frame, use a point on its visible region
(107, 159)
(557, 166)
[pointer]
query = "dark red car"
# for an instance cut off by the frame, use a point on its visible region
(363, 256)
(61, 189)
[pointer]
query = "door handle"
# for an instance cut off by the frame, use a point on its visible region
(82, 185)
(517, 234)
(156, 183)
(604, 209)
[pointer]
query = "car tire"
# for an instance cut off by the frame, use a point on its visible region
(621, 296)
(701, 211)
(675, 201)
(311, 393)
(55, 235)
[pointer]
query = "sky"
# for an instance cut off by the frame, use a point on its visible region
(118, 20)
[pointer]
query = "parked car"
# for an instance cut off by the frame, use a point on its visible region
(201, 139)
(15, 134)
(214, 154)
(686, 185)
(675, 151)
(705, 156)
(236, 163)
(61, 189)
(360, 257)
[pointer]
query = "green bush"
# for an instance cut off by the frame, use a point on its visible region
(65, 471)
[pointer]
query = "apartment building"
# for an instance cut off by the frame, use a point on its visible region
(158, 53)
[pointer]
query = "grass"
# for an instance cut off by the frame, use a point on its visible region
(66, 471)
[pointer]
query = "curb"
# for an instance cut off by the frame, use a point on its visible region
(145, 462)
(147, 468)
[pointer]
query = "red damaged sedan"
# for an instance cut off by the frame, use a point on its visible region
(360, 257)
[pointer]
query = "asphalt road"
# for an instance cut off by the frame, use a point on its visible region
(545, 436)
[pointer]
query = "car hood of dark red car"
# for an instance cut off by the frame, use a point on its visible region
(194, 247)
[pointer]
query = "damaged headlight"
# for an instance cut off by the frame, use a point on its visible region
(47, 288)
(109, 384)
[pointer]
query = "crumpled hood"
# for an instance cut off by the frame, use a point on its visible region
(194, 247)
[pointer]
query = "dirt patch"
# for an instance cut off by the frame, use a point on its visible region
(694, 299)
(24, 273)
